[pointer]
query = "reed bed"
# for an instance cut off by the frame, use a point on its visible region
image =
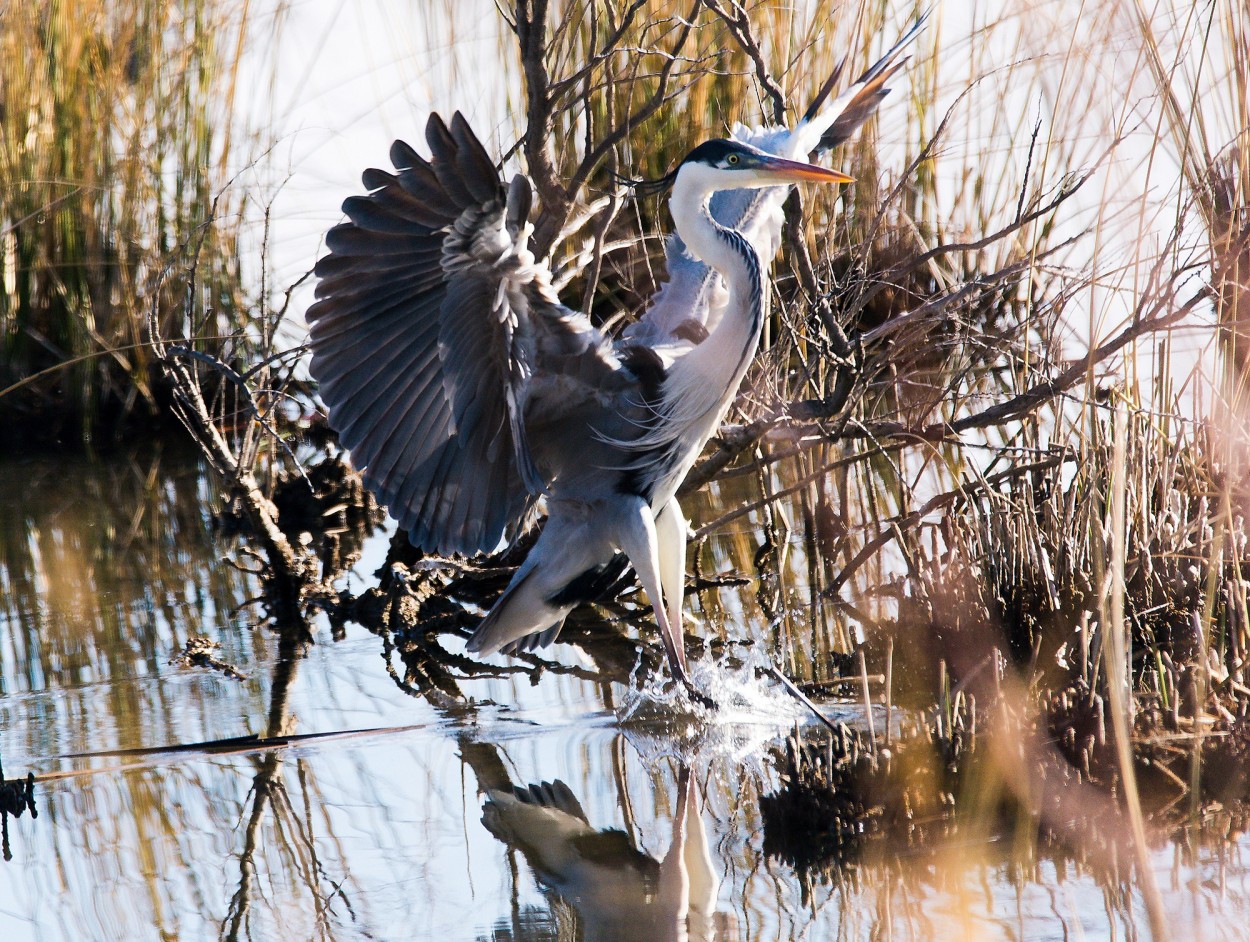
(115, 138)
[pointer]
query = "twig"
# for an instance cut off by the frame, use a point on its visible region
(799, 695)
(738, 22)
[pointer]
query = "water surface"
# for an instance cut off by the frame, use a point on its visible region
(367, 813)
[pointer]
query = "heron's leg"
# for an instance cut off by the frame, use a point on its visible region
(636, 533)
(638, 539)
(670, 530)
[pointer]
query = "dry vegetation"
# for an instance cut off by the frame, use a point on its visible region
(114, 143)
(989, 405)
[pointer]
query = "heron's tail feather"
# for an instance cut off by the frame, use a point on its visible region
(532, 642)
(520, 620)
(825, 126)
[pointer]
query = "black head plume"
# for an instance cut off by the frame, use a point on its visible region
(648, 187)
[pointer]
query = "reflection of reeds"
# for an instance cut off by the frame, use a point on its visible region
(103, 574)
(113, 146)
(106, 567)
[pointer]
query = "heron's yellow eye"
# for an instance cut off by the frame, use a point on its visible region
(731, 159)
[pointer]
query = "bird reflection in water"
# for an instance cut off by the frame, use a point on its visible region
(611, 889)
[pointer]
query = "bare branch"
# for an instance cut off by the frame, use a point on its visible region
(738, 22)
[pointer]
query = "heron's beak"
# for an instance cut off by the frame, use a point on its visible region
(791, 171)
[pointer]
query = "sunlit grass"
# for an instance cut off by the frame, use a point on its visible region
(114, 136)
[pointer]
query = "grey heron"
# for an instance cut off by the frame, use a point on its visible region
(467, 392)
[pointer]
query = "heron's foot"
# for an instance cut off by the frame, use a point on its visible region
(677, 665)
(695, 694)
(698, 696)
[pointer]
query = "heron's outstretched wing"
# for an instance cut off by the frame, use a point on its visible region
(690, 292)
(433, 321)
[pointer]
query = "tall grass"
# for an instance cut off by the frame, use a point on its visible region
(114, 138)
(1197, 61)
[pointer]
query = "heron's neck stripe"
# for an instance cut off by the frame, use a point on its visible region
(755, 288)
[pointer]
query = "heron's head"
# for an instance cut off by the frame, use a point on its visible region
(733, 165)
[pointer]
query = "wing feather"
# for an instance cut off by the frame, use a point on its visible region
(376, 400)
(447, 167)
(398, 287)
(418, 424)
(439, 210)
(404, 158)
(474, 396)
(399, 422)
(431, 321)
(397, 219)
(350, 239)
(480, 176)
(350, 266)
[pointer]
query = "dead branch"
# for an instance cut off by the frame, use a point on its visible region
(738, 22)
(1041, 393)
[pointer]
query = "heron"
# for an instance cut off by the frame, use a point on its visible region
(468, 394)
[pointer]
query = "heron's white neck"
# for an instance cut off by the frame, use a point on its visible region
(705, 238)
(723, 357)
(701, 384)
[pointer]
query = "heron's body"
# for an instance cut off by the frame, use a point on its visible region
(466, 391)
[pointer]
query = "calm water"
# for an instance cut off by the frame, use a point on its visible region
(387, 817)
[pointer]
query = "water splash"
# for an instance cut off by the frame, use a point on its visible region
(660, 718)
